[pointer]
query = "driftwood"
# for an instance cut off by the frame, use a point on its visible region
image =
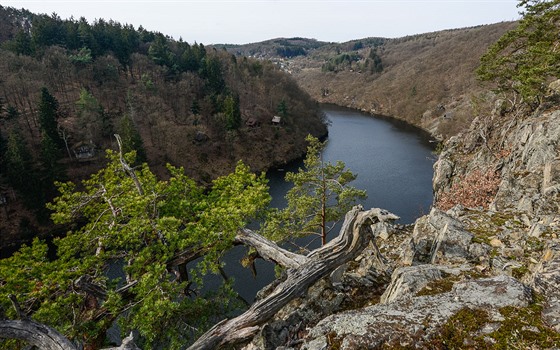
(47, 338)
(303, 271)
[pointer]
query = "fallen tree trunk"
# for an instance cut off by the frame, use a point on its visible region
(303, 271)
(36, 334)
(44, 337)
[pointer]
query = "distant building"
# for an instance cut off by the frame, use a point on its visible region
(276, 120)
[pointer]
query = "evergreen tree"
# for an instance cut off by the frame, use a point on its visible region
(147, 223)
(20, 172)
(131, 139)
(212, 72)
(232, 112)
(48, 116)
(320, 197)
(282, 108)
(93, 122)
(18, 161)
(195, 107)
(12, 112)
(526, 58)
(160, 52)
(51, 170)
(374, 61)
(21, 44)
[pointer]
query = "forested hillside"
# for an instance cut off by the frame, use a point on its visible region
(66, 86)
(427, 79)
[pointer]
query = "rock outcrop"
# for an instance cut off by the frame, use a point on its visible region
(465, 276)
(404, 323)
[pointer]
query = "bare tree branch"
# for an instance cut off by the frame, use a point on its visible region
(269, 250)
(36, 334)
(127, 168)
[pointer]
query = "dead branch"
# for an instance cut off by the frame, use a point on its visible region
(46, 338)
(36, 334)
(127, 168)
(355, 234)
(269, 250)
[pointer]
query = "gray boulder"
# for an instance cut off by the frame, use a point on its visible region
(435, 237)
(407, 281)
(408, 322)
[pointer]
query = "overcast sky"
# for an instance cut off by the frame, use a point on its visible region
(246, 21)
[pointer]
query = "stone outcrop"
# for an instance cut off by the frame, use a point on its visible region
(438, 236)
(546, 280)
(405, 323)
(524, 152)
(407, 281)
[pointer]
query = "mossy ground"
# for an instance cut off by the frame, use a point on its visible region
(522, 328)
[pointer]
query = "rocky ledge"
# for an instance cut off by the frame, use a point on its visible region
(441, 284)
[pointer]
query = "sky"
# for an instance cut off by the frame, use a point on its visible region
(248, 21)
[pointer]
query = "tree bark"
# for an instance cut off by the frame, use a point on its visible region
(355, 234)
(37, 334)
(269, 250)
(46, 338)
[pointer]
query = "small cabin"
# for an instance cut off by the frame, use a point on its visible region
(84, 151)
(276, 120)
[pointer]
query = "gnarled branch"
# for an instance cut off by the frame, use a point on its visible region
(47, 338)
(36, 334)
(355, 234)
(269, 250)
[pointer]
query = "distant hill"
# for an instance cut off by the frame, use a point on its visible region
(276, 48)
(426, 79)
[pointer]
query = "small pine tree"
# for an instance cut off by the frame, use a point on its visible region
(320, 197)
(232, 112)
(131, 139)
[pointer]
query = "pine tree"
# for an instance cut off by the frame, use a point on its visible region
(232, 112)
(131, 139)
(320, 197)
(20, 172)
(526, 58)
(110, 218)
(48, 116)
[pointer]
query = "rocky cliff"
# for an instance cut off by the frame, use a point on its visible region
(472, 273)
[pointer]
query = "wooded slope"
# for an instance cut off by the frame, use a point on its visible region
(185, 104)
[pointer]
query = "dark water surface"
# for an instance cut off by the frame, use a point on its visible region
(393, 162)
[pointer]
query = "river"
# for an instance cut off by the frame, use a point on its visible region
(393, 162)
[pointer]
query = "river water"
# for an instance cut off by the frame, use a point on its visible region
(393, 162)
